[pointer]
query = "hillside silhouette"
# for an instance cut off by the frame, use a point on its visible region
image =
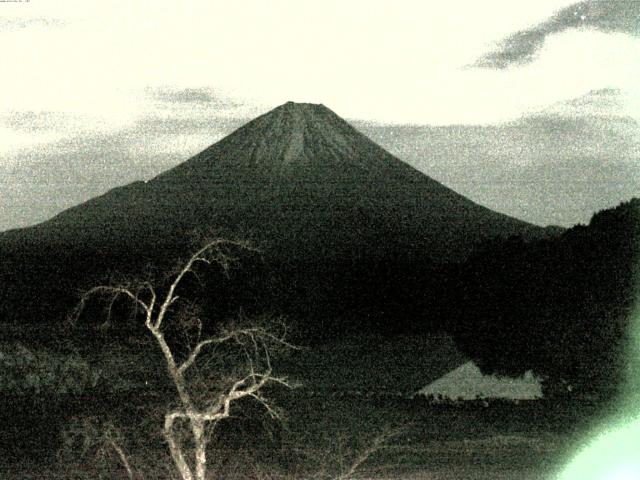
(561, 306)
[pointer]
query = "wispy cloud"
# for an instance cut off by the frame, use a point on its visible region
(555, 166)
(39, 181)
(621, 16)
(603, 102)
(192, 95)
(30, 121)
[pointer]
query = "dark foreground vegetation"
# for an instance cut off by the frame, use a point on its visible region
(319, 437)
(73, 394)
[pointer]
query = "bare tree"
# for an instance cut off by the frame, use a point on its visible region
(199, 406)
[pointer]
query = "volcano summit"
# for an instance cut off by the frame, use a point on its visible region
(314, 194)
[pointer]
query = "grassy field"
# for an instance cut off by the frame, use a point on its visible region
(524, 441)
(331, 419)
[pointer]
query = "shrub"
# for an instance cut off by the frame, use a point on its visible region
(27, 372)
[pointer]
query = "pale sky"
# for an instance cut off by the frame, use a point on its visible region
(96, 94)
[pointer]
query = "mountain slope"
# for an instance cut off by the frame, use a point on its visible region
(319, 198)
(299, 170)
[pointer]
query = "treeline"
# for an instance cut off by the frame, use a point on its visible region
(560, 306)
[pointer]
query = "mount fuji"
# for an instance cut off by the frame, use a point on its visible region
(319, 199)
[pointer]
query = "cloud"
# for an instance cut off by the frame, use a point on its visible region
(30, 121)
(168, 111)
(42, 180)
(381, 61)
(620, 16)
(192, 95)
(555, 166)
(605, 99)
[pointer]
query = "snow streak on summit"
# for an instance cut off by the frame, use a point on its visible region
(293, 139)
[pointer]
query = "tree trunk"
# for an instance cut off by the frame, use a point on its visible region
(200, 439)
(176, 451)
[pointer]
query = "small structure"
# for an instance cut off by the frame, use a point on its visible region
(467, 382)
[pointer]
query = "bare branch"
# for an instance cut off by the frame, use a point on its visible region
(200, 256)
(198, 348)
(123, 458)
(379, 442)
(113, 292)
